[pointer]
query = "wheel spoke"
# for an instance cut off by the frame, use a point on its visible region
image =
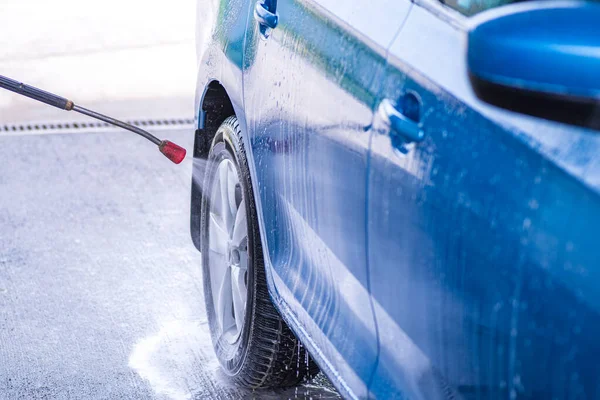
(232, 181)
(239, 292)
(240, 229)
(244, 261)
(224, 302)
(217, 234)
(218, 274)
(224, 192)
(227, 250)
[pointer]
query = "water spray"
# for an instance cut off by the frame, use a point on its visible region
(172, 151)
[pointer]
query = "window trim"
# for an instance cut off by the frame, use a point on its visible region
(445, 13)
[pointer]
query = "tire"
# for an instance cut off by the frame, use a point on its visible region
(253, 344)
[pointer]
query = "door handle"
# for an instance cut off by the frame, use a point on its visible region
(266, 15)
(400, 125)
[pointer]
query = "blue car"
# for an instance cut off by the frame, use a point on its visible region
(402, 195)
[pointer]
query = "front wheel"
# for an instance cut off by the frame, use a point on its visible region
(252, 342)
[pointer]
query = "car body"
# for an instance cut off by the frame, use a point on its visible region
(458, 263)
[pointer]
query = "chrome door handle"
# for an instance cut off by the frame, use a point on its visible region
(409, 130)
(265, 15)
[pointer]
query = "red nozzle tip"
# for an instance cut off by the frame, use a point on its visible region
(172, 151)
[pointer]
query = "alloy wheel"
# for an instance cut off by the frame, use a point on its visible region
(228, 250)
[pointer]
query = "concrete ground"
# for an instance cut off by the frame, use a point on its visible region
(100, 286)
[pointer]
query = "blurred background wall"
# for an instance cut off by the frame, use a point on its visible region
(128, 58)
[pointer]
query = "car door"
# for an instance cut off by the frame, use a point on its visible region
(482, 258)
(312, 76)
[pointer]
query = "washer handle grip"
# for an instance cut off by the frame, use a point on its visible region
(36, 94)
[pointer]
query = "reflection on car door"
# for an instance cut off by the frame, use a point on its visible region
(310, 87)
(480, 251)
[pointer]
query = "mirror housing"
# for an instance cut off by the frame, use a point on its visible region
(539, 58)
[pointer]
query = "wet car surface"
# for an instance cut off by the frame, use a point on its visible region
(100, 285)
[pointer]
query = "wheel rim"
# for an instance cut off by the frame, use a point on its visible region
(228, 251)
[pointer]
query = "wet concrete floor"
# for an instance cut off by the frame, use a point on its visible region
(100, 285)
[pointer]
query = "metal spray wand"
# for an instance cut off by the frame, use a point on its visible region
(172, 151)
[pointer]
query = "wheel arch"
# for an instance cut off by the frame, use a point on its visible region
(214, 104)
(214, 107)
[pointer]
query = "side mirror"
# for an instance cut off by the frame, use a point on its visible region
(539, 58)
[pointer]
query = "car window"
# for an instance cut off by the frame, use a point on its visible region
(471, 7)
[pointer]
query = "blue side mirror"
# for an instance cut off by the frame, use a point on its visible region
(539, 58)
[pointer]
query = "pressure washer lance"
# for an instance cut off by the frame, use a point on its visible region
(172, 151)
